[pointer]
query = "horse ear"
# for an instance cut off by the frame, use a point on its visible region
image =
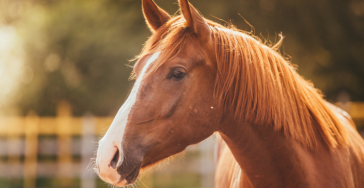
(193, 19)
(154, 16)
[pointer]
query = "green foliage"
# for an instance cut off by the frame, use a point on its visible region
(78, 50)
(11, 183)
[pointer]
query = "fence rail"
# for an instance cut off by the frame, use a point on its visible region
(21, 136)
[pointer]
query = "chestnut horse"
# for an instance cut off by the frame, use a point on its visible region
(195, 77)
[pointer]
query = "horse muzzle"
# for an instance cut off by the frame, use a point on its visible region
(115, 172)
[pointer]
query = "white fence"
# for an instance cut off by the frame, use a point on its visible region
(70, 142)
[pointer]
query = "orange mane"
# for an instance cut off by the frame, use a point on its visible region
(256, 82)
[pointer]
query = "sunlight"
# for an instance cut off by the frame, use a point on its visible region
(12, 69)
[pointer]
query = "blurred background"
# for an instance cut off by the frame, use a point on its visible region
(64, 68)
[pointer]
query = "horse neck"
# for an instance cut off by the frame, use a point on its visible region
(266, 157)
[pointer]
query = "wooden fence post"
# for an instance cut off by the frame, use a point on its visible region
(31, 150)
(87, 152)
(207, 165)
(64, 141)
(14, 146)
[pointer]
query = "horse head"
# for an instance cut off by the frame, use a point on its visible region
(171, 105)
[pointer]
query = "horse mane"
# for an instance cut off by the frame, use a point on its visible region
(257, 83)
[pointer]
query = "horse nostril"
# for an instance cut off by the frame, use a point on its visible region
(115, 159)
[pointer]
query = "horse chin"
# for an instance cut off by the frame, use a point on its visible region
(130, 176)
(133, 176)
(130, 170)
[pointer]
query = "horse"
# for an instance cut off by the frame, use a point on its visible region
(194, 78)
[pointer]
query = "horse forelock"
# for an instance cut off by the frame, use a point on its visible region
(257, 83)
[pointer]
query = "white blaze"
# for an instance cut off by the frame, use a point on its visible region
(115, 133)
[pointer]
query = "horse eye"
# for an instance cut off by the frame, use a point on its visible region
(177, 74)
